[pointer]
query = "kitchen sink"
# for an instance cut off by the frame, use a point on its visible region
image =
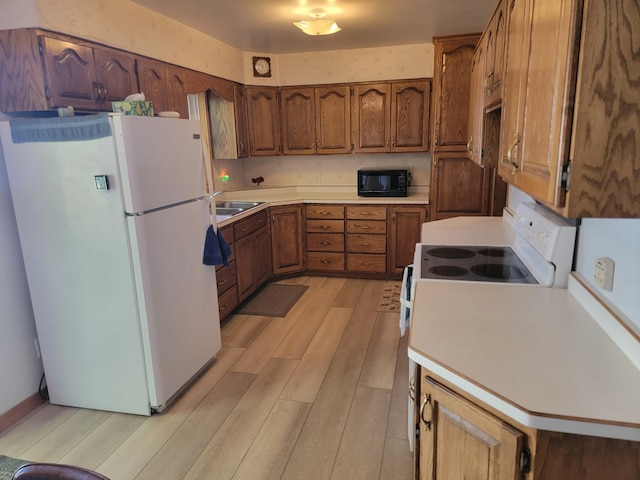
(225, 210)
(228, 211)
(237, 204)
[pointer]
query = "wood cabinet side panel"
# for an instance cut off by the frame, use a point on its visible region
(606, 139)
(22, 80)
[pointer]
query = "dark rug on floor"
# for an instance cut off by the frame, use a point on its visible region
(274, 300)
(8, 466)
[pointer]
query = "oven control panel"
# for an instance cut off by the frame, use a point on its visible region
(543, 230)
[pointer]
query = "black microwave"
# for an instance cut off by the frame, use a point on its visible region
(383, 183)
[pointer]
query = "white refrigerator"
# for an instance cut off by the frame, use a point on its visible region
(112, 214)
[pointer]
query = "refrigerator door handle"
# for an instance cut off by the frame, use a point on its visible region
(164, 207)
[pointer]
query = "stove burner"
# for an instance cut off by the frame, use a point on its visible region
(450, 252)
(448, 271)
(495, 252)
(497, 271)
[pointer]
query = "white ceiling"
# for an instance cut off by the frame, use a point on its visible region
(266, 26)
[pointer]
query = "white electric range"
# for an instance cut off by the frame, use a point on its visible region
(533, 247)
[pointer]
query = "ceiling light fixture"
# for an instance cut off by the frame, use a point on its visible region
(319, 25)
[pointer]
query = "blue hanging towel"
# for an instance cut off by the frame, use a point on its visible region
(216, 248)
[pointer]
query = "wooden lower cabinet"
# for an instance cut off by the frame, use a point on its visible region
(252, 253)
(405, 227)
(459, 441)
(460, 438)
(325, 238)
(226, 278)
(286, 239)
(366, 238)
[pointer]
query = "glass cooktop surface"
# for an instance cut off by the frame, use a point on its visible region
(473, 263)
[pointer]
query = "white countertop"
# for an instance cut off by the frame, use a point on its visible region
(488, 231)
(292, 195)
(533, 353)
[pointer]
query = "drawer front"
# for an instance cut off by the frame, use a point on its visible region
(325, 242)
(227, 233)
(226, 278)
(363, 243)
(325, 226)
(333, 212)
(367, 212)
(359, 262)
(333, 262)
(366, 226)
(227, 302)
(242, 228)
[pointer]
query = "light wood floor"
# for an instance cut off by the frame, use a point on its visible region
(318, 394)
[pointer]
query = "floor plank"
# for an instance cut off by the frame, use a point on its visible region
(308, 376)
(299, 337)
(398, 413)
(350, 293)
(270, 451)
(246, 332)
(379, 366)
(229, 445)
(179, 453)
(362, 445)
(397, 460)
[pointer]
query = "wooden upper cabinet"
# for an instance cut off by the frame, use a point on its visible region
(333, 119)
(164, 85)
(495, 48)
(297, 109)
(451, 90)
(176, 90)
(605, 172)
(152, 82)
(411, 102)
(458, 186)
(77, 74)
(116, 74)
(242, 124)
(371, 117)
(476, 104)
(264, 123)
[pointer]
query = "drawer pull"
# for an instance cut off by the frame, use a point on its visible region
(324, 226)
(245, 229)
(222, 282)
(325, 243)
(364, 244)
(427, 423)
(325, 261)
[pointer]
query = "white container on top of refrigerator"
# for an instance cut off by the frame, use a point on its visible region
(112, 231)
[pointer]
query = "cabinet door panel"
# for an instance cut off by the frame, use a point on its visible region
(297, 107)
(462, 441)
(333, 119)
(371, 120)
(405, 228)
(242, 124)
(410, 116)
(116, 72)
(286, 239)
(176, 91)
(245, 258)
(151, 82)
(264, 129)
(458, 186)
(548, 101)
(451, 92)
(70, 74)
(262, 269)
(325, 242)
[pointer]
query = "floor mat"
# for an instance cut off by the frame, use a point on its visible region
(390, 298)
(274, 300)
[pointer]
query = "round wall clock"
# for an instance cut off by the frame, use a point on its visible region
(261, 67)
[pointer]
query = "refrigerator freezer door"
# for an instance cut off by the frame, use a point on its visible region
(76, 250)
(178, 296)
(161, 161)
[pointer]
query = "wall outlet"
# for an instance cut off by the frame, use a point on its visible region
(603, 273)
